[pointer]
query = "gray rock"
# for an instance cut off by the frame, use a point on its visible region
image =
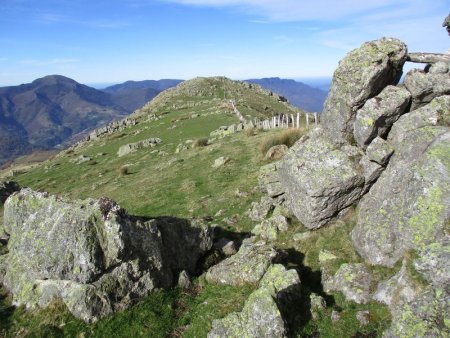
(425, 316)
(91, 254)
(379, 113)
(184, 281)
(362, 74)
(261, 316)
(319, 179)
(363, 317)
(354, 281)
(81, 159)
(434, 264)
(133, 147)
(226, 246)
(268, 229)
(248, 265)
(260, 210)
(379, 151)
(301, 236)
(335, 316)
(371, 170)
(221, 161)
(409, 205)
(7, 188)
(397, 290)
(318, 304)
(439, 68)
(426, 86)
(437, 113)
(276, 152)
(268, 180)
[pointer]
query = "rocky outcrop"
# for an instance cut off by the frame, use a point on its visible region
(409, 206)
(92, 255)
(361, 75)
(133, 147)
(269, 181)
(320, 179)
(269, 228)
(425, 86)
(246, 267)
(379, 113)
(261, 315)
(354, 281)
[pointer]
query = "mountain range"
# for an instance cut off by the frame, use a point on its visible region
(55, 111)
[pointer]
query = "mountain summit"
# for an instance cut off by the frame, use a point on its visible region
(50, 111)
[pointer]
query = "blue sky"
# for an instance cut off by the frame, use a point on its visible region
(108, 41)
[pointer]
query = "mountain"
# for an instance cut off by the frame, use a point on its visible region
(299, 94)
(132, 95)
(50, 111)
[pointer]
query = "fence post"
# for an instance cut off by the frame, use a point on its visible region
(315, 119)
(298, 120)
(307, 119)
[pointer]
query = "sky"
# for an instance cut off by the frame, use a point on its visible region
(111, 41)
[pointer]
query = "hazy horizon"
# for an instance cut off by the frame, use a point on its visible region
(118, 40)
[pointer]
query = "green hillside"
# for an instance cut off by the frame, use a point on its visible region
(158, 180)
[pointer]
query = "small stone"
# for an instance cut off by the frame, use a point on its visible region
(317, 304)
(226, 246)
(276, 152)
(325, 255)
(363, 317)
(184, 281)
(335, 316)
(219, 162)
(300, 236)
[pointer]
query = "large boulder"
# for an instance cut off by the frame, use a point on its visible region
(426, 86)
(320, 179)
(262, 312)
(91, 254)
(362, 74)
(248, 266)
(409, 206)
(379, 113)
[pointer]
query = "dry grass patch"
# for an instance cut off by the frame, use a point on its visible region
(287, 137)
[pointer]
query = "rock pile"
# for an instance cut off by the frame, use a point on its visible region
(133, 147)
(386, 147)
(91, 254)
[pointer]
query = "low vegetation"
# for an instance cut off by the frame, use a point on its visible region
(287, 137)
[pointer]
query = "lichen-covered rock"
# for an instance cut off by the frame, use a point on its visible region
(91, 254)
(354, 281)
(426, 86)
(133, 147)
(425, 316)
(268, 180)
(379, 151)
(397, 290)
(7, 188)
(379, 113)
(261, 316)
(437, 113)
(318, 304)
(363, 317)
(221, 161)
(320, 180)
(260, 210)
(269, 228)
(409, 205)
(434, 264)
(362, 74)
(371, 170)
(247, 266)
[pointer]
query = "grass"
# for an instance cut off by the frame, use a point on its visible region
(287, 137)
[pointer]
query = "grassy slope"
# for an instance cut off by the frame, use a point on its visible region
(186, 185)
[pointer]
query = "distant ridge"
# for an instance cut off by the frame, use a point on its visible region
(299, 94)
(50, 111)
(132, 95)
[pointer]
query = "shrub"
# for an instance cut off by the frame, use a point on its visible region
(200, 142)
(287, 137)
(123, 170)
